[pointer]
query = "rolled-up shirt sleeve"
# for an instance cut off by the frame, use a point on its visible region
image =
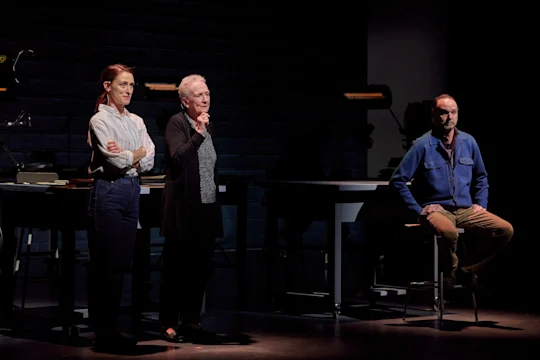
(122, 159)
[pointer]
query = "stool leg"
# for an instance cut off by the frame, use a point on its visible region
(406, 300)
(436, 264)
(26, 270)
(441, 297)
(475, 308)
(473, 294)
(17, 262)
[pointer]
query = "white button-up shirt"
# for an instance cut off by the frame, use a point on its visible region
(129, 132)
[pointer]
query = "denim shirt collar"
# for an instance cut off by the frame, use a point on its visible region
(434, 140)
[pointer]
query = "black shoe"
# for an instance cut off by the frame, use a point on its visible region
(5, 321)
(197, 334)
(467, 278)
(114, 343)
(449, 281)
(172, 337)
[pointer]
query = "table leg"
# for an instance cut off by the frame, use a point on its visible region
(67, 283)
(334, 233)
(241, 246)
(140, 277)
(7, 276)
(270, 256)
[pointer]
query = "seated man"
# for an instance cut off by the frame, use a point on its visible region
(449, 189)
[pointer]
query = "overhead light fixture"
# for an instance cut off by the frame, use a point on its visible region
(371, 97)
(161, 91)
(161, 87)
(364, 96)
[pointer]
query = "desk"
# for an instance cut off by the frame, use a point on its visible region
(336, 202)
(63, 208)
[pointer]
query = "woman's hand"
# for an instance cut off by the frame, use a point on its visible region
(113, 147)
(202, 122)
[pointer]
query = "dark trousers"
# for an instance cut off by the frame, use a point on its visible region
(114, 213)
(492, 235)
(187, 264)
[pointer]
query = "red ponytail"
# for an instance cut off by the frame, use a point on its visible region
(102, 99)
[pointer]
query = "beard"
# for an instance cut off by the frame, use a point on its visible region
(449, 125)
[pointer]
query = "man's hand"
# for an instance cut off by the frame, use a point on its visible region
(113, 147)
(202, 122)
(137, 165)
(476, 208)
(428, 209)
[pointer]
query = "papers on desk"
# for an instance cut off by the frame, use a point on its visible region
(53, 183)
(155, 179)
(48, 183)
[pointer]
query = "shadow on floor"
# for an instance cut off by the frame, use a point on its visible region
(453, 325)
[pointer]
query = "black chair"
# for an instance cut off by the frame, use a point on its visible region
(50, 256)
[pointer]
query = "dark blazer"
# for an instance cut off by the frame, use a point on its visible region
(181, 202)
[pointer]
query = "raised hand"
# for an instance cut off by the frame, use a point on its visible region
(201, 122)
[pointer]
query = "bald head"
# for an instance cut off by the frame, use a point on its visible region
(444, 114)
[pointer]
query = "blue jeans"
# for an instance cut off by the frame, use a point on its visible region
(113, 211)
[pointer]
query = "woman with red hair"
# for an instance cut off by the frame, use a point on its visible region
(122, 149)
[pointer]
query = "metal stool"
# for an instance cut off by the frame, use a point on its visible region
(52, 254)
(437, 283)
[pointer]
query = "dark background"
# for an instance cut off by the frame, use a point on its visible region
(277, 74)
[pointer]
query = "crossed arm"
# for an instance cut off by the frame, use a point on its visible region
(141, 159)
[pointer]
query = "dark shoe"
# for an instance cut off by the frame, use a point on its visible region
(467, 278)
(114, 343)
(172, 337)
(197, 334)
(449, 279)
(6, 321)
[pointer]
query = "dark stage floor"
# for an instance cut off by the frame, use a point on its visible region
(361, 332)
(364, 334)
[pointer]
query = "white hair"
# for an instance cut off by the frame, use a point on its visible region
(185, 84)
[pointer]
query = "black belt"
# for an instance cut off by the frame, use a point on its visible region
(113, 177)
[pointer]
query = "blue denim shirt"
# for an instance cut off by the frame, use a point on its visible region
(433, 178)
